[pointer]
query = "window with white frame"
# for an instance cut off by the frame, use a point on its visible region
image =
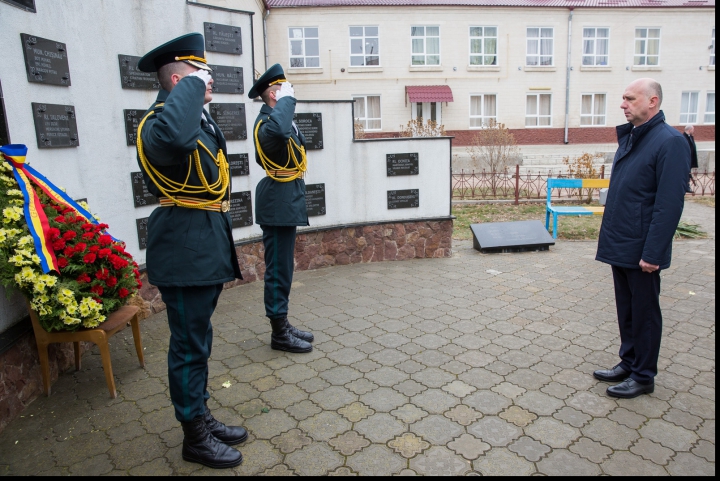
(712, 48)
(425, 45)
(647, 46)
(426, 111)
(304, 47)
(689, 107)
(483, 110)
(539, 47)
(364, 47)
(538, 110)
(483, 45)
(710, 108)
(593, 110)
(367, 111)
(596, 46)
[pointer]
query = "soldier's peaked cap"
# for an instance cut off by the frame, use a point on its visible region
(274, 75)
(189, 48)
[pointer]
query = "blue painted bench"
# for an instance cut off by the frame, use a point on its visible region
(571, 210)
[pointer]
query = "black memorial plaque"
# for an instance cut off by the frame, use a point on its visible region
(403, 199)
(241, 209)
(142, 231)
(222, 38)
(132, 120)
(227, 80)
(28, 5)
(402, 164)
(46, 61)
(239, 164)
(231, 120)
(132, 78)
(4, 132)
(310, 124)
(315, 199)
(141, 194)
(520, 236)
(55, 126)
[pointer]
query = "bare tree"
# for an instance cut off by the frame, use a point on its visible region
(418, 128)
(359, 129)
(493, 147)
(583, 167)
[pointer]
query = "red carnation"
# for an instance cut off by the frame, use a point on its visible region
(139, 283)
(88, 235)
(97, 299)
(83, 278)
(123, 293)
(87, 227)
(103, 226)
(105, 240)
(94, 248)
(111, 282)
(69, 235)
(53, 233)
(58, 245)
(68, 252)
(67, 210)
(118, 262)
(60, 219)
(62, 262)
(102, 274)
(80, 246)
(89, 258)
(103, 253)
(97, 290)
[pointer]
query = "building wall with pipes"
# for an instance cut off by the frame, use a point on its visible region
(684, 62)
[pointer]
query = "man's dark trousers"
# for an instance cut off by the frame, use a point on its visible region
(189, 310)
(279, 242)
(637, 297)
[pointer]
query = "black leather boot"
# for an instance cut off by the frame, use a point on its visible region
(229, 435)
(283, 340)
(304, 335)
(199, 446)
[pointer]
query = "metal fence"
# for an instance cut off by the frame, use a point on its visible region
(515, 186)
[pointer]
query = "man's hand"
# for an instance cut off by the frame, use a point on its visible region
(649, 268)
(286, 90)
(203, 75)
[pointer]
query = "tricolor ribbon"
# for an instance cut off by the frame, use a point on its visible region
(35, 217)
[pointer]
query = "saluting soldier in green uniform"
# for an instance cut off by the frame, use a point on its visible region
(190, 249)
(280, 201)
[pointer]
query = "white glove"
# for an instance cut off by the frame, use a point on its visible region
(286, 90)
(203, 75)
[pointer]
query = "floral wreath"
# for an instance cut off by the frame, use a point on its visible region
(71, 271)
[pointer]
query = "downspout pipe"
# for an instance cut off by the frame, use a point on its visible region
(265, 35)
(567, 76)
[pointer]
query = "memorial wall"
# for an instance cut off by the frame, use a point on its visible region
(73, 95)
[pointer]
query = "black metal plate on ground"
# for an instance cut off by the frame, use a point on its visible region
(402, 199)
(55, 126)
(132, 78)
(402, 164)
(142, 231)
(222, 38)
(46, 61)
(239, 164)
(132, 120)
(310, 124)
(28, 5)
(227, 80)
(141, 194)
(241, 209)
(520, 236)
(231, 120)
(4, 132)
(315, 199)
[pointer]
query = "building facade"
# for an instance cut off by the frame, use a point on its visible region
(552, 71)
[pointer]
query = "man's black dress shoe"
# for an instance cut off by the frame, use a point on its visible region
(629, 389)
(615, 374)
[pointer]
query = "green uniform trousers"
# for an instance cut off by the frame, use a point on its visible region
(279, 242)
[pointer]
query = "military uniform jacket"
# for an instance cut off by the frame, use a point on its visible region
(279, 203)
(186, 247)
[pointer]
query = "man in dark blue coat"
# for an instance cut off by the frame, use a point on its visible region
(280, 201)
(642, 212)
(190, 251)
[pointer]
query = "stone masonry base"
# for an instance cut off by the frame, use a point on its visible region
(20, 379)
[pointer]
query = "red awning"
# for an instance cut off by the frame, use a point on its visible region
(429, 93)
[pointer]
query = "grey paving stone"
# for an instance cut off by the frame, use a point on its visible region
(705, 449)
(495, 431)
(563, 463)
(487, 402)
(539, 403)
(592, 450)
(652, 451)
(529, 449)
(408, 445)
(440, 461)
(270, 424)
(623, 463)
(686, 464)
(435, 401)
(437, 429)
(501, 462)
(314, 460)
(669, 435)
(409, 413)
(380, 427)
(349, 443)
(324, 426)
(610, 433)
(376, 461)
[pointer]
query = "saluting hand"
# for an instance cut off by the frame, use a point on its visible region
(286, 90)
(203, 75)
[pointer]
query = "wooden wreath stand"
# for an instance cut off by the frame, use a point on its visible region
(99, 336)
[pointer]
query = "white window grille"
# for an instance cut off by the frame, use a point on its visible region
(539, 47)
(647, 46)
(689, 107)
(304, 47)
(538, 110)
(483, 110)
(425, 45)
(364, 47)
(367, 111)
(710, 108)
(483, 45)
(596, 46)
(594, 109)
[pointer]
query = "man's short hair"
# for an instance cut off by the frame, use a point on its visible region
(654, 88)
(265, 96)
(165, 73)
(689, 127)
